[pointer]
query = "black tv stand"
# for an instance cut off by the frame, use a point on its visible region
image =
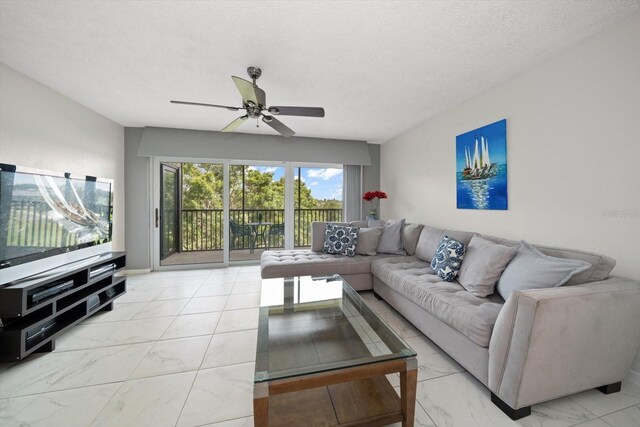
(38, 308)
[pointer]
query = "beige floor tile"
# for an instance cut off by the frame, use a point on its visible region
(121, 311)
(432, 362)
(247, 287)
(237, 320)
(172, 356)
(603, 404)
(239, 301)
(629, 417)
(161, 309)
(459, 400)
(219, 394)
(177, 292)
(113, 333)
(155, 401)
(231, 348)
(204, 305)
(140, 295)
(191, 325)
(238, 422)
(69, 408)
(214, 290)
(103, 365)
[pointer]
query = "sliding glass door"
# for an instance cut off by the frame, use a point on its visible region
(317, 197)
(192, 213)
(256, 210)
(216, 212)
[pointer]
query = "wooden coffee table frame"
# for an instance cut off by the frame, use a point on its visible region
(407, 368)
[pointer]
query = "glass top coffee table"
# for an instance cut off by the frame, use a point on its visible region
(322, 357)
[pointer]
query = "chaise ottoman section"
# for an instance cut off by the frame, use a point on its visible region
(290, 263)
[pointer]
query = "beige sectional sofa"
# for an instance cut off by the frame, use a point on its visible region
(539, 345)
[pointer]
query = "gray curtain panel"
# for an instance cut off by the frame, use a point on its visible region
(352, 188)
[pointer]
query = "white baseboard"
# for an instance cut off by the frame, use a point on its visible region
(633, 376)
(139, 271)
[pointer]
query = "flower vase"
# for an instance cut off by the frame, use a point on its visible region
(373, 213)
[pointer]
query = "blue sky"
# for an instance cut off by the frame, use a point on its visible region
(325, 183)
(497, 135)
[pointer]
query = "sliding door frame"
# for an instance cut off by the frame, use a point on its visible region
(290, 169)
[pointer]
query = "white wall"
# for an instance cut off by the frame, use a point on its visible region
(43, 129)
(573, 143)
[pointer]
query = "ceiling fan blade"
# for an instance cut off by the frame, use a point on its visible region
(278, 126)
(234, 124)
(205, 105)
(249, 92)
(297, 111)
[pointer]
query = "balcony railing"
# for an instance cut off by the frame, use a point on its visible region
(202, 229)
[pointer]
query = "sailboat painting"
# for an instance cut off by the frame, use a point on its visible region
(481, 168)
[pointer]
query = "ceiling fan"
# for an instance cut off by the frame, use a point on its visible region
(254, 102)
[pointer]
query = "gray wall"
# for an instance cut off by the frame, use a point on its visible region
(137, 200)
(203, 144)
(43, 129)
(573, 143)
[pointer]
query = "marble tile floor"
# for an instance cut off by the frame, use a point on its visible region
(179, 348)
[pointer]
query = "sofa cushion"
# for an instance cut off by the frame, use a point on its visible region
(448, 258)
(601, 265)
(430, 238)
(318, 229)
(368, 241)
(472, 316)
(391, 239)
(531, 269)
(410, 236)
(340, 240)
(484, 262)
(301, 262)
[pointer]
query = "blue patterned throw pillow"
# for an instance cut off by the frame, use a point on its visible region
(340, 240)
(448, 258)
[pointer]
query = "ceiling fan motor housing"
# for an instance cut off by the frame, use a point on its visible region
(254, 73)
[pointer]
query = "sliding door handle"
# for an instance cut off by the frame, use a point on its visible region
(157, 217)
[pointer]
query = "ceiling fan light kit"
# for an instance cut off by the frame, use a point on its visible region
(254, 101)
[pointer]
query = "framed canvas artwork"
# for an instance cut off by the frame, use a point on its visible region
(481, 168)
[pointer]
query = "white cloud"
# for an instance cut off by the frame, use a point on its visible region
(314, 183)
(301, 178)
(270, 169)
(324, 173)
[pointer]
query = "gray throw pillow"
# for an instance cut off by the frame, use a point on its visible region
(340, 240)
(368, 239)
(391, 239)
(410, 236)
(428, 242)
(531, 269)
(484, 262)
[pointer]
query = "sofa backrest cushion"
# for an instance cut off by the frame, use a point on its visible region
(531, 269)
(430, 238)
(601, 265)
(368, 239)
(410, 237)
(391, 239)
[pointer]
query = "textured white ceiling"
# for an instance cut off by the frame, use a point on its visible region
(378, 67)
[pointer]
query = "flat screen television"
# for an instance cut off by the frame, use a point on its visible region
(45, 214)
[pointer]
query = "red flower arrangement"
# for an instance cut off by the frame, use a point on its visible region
(370, 196)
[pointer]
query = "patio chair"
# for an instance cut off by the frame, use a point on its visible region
(274, 231)
(240, 231)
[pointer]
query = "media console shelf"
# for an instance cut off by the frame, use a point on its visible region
(36, 309)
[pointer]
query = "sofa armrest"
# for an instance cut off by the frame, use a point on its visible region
(548, 343)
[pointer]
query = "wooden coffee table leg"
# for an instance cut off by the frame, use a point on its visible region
(261, 405)
(408, 384)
